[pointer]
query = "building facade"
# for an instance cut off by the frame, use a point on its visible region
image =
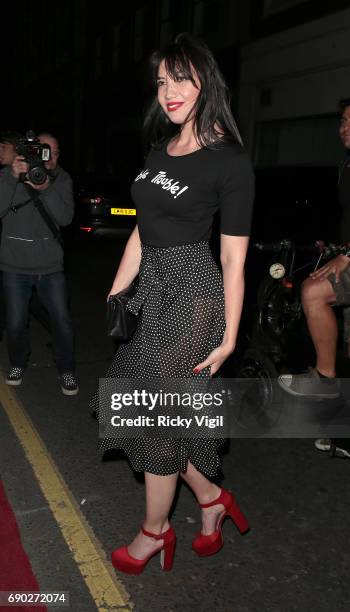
(79, 69)
(290, 84)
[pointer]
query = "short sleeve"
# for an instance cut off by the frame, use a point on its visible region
(236, 193)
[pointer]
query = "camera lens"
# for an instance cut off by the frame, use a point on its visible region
(37, 175)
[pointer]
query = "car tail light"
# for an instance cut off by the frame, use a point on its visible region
(96, 200)
(86, 229)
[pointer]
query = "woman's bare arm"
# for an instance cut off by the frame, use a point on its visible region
(232, 255)
(233, 252)
(129, 264)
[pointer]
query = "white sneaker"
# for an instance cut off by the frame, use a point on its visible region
(340, 448)
(323, 444)
(310, 385)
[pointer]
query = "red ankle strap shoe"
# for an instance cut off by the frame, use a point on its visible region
(205, 545)
(130, 565)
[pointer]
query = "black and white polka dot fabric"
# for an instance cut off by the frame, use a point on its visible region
(180, 302)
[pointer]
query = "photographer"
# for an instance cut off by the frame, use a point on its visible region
(35, 199)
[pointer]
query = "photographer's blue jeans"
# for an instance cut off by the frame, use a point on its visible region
(52, 291)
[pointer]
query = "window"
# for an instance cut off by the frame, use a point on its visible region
(143, 32)
(124, 42)
(206, 16)
(138, 43)
(166, 10)
(64, 24)
(166, 32)
(98, 57)
(116, 47)
(276, 6)
(310, 140)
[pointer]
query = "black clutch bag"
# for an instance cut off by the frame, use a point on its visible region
(121, 323)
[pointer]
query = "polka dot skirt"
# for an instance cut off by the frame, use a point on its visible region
(180, 303)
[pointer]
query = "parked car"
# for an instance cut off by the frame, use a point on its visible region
(103, 206)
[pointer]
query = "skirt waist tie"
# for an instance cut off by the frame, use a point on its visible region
(151, 283)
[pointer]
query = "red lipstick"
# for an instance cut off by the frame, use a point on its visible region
(173, 106)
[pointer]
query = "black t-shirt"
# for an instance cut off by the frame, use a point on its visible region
(176, 197)
(344, 200)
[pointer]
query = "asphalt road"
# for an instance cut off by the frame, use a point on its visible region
(294, 559)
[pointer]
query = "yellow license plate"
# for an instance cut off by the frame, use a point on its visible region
(123, 211)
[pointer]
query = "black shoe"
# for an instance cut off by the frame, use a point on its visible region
(69, 384)
(15, 376)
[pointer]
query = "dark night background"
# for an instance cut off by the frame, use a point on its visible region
(78, 68)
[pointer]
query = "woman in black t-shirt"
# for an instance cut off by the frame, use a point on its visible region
(189, 311)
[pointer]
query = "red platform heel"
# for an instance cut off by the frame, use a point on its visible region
(205, 545)
(129, 565)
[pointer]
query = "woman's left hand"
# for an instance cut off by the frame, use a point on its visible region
(215, 359)
(334, 266)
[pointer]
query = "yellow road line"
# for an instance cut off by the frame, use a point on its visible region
(103, 584)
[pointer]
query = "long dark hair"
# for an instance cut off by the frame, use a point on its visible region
(213, 120)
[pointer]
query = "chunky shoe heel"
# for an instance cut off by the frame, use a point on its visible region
(238, 518)
(167, 556)
(130, 565)
(205, 545)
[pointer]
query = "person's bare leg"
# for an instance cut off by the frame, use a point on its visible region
(160, 491)
(205, 492)
(317, 298)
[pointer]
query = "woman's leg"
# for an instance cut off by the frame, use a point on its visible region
(205, 492)
(160, 491)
